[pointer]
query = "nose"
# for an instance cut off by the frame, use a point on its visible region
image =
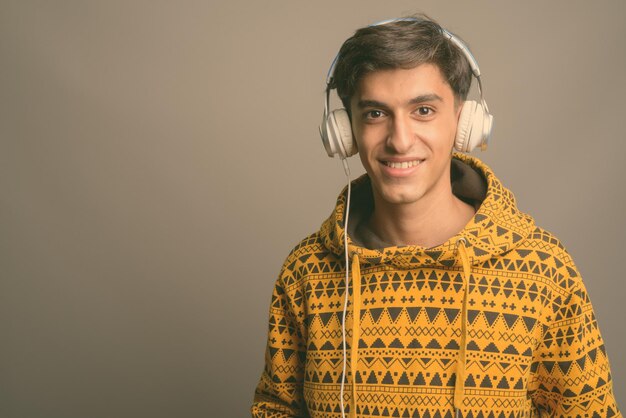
(400, 138)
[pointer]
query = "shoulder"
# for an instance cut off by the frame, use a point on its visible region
(548, 256)
(548, 242)
(308, 256)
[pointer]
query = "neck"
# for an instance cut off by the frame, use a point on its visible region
(428, 222)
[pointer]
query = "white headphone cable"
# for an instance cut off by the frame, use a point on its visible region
(346, 169)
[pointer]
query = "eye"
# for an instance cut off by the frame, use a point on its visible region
(374, 114)
(424, 111)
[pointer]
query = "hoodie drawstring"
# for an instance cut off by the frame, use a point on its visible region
(356, 327)
(460, 371)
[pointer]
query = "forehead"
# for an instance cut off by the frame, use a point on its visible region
(399, 85)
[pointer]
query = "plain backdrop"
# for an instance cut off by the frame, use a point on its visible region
(159, 159)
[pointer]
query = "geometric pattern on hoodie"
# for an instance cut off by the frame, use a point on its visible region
(533, 346)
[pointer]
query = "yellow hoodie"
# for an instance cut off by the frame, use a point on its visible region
(493, 323)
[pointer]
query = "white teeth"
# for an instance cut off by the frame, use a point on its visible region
(406, 164)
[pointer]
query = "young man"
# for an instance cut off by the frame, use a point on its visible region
(457, 303)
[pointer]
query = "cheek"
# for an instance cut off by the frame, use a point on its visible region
(365, 137)
(445, 131)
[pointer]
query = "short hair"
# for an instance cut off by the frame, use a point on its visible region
(404, 43)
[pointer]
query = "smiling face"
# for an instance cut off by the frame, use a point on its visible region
(404, 122)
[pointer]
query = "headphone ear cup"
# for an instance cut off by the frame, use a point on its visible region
(471, 129)
(339, 132)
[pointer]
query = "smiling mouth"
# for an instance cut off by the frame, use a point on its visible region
(404, 164)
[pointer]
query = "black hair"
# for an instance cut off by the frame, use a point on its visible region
(404, 43)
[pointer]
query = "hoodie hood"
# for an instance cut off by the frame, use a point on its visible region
(497, 227)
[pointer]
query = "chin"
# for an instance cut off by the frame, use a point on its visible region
(400, 196)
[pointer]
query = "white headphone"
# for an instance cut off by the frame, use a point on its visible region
(474, 127)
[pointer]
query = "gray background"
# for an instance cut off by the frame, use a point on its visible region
(158, 160)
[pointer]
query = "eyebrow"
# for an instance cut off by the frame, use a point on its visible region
(418, 99)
